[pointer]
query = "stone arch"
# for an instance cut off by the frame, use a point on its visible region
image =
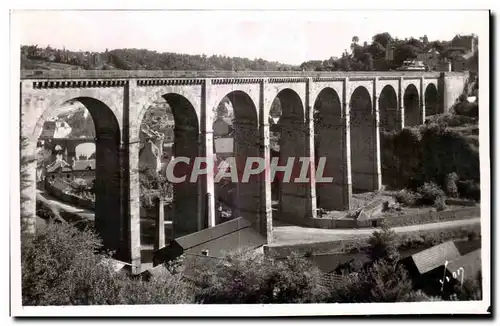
(329, 146)
(363, 146)
(243, 197)
(159, 96)
(110, 215)
(186, 203)
(431, 100)
(411, 103)
(290, 143)
(295, 91)
(388, 109)
(49, 106)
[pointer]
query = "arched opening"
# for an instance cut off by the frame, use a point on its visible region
(411, 102)
(169, 129)
(431, 100)
(388, 117)
(236, 139)
(362, 141)
(68, 179)
(329, 146)
(388, 109)
(288, 145)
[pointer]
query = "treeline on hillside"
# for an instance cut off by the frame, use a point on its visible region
(364, 56)
(374, 56)
(141, 59)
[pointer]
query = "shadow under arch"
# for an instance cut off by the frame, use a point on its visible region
(291, 145)
(411, 102)
(242, 196)
(389, 122)
(111, 220)
(329, 145)
(388, 109)
(187, 209)
(431, 100)
(363, 146)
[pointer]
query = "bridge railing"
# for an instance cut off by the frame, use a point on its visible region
(116, 74)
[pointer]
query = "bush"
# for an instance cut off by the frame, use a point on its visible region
(62, 266)
(383, 244)
(384, 281)
(451, 184)
(407, 197)
(467, 109)
(254, 279)
(430, 192)
(469, 189)
(440, 203)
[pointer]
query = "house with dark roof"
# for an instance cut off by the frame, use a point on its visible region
(429, 267)
(429, 259)
(216, 242)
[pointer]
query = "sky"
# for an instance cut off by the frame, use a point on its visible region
(286, 36)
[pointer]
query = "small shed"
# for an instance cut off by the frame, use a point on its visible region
(237, 234)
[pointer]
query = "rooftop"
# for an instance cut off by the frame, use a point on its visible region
(429, 259)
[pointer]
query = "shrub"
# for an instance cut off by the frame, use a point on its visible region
(384, 281)
(467, 109)
(383, 244)
(61, 266)
(450, 120)
(253, 279)
(440, 203)
(430, 192)
(407, 197)
(451, 186)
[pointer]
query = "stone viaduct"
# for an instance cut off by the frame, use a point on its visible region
(352, 108)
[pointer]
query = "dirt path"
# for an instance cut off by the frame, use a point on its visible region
(297, 234)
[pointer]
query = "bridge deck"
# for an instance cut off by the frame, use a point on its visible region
(114, 74)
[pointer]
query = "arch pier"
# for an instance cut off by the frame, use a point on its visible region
(328, 120)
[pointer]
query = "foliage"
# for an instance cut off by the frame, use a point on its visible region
(469, 189)
(467, 109)
(440, 203)
(25, 163)
(153, 185)
(383, 245)
(384, 281)
(413, 156)
(254, 279)
(451, 184)
(141, 59)
(429, 192)
(407, 197)
(63, 266)
(362, 57)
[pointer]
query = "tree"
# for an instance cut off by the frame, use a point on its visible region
(425, 40)
(383, 245)
(368, 61)
(27, 217)
(383, 38)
